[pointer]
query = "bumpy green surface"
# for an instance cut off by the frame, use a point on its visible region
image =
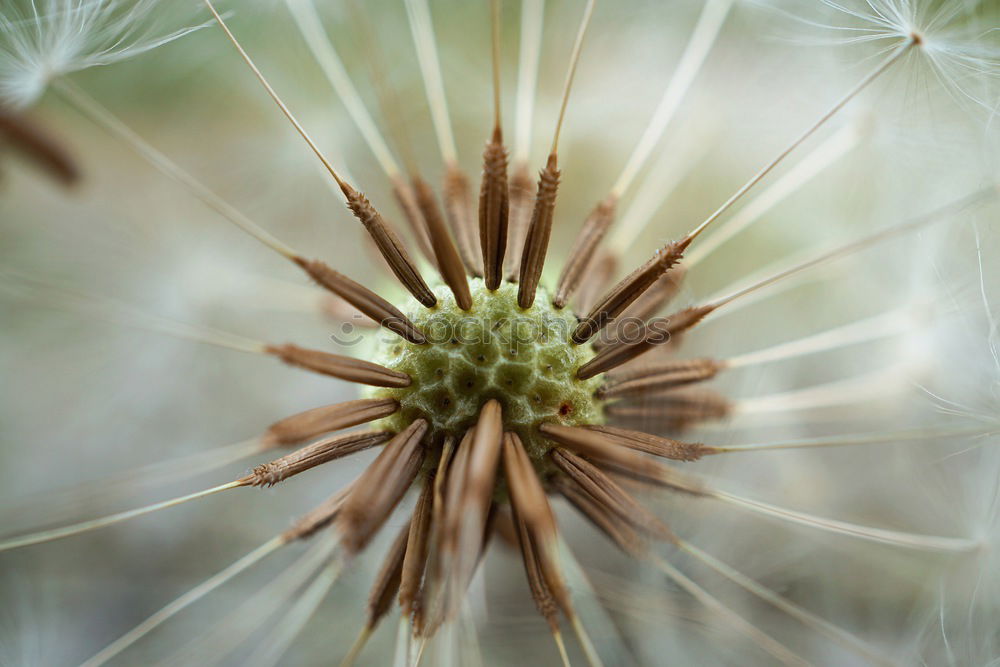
(522, 358)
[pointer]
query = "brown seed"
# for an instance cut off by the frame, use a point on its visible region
(597, 446)
(381, 487)
(653, 444)
(387, 580)
(629, 289)
(390, 247)
(581, 256)
(362, 298)
(418, 541)
(448, 260)
(484, 455)
(658, 295)
(504, 527)
(522, 197)
(627, 539)
(37, 146)
(536, 243)
(318, 518)
(675, 410)
(449, 480)
(458, 207)
(532, 509)
(468, 499)
(318, 453)
(658, 332)
(338, 366)
(659, 377)
(544, 601)
(304, 425)
(608, 494)
(450, 492)
(493, 209)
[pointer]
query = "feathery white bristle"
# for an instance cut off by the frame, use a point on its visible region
(57, 37)
(959, 45)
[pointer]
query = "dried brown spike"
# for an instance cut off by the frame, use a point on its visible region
(407, 200)
(387, 580)
(598, 446)
(608, 494)
(629, 289)
(362, 298)
(418, 542)
(484, 455)
(318, 453)
(33, 143)
(584, 249)
(659, 295)
(448, 260)
(458, 207)
(390, 246)
(450, 490)
(304, 425)
(505, 528)
(522, 194)
(380, 488)
(536, 243)
(532, 509)
(674, 410)
(318, 518)
(472, 479)
(493, 209)
(659, 332)
(540, 593)
(659, 377)
(627, 539)
(448, 482)
(667, 448)
(338, 366)
(473, 476)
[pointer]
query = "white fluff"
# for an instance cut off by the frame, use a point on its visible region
(50, 38)
(957, 40)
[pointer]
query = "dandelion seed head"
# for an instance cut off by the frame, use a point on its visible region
(494, 351)
(43, 40)
(495, 438)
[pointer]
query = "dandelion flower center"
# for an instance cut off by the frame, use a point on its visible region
(495, 350)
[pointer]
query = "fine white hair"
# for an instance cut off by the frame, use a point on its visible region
(44, 39)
